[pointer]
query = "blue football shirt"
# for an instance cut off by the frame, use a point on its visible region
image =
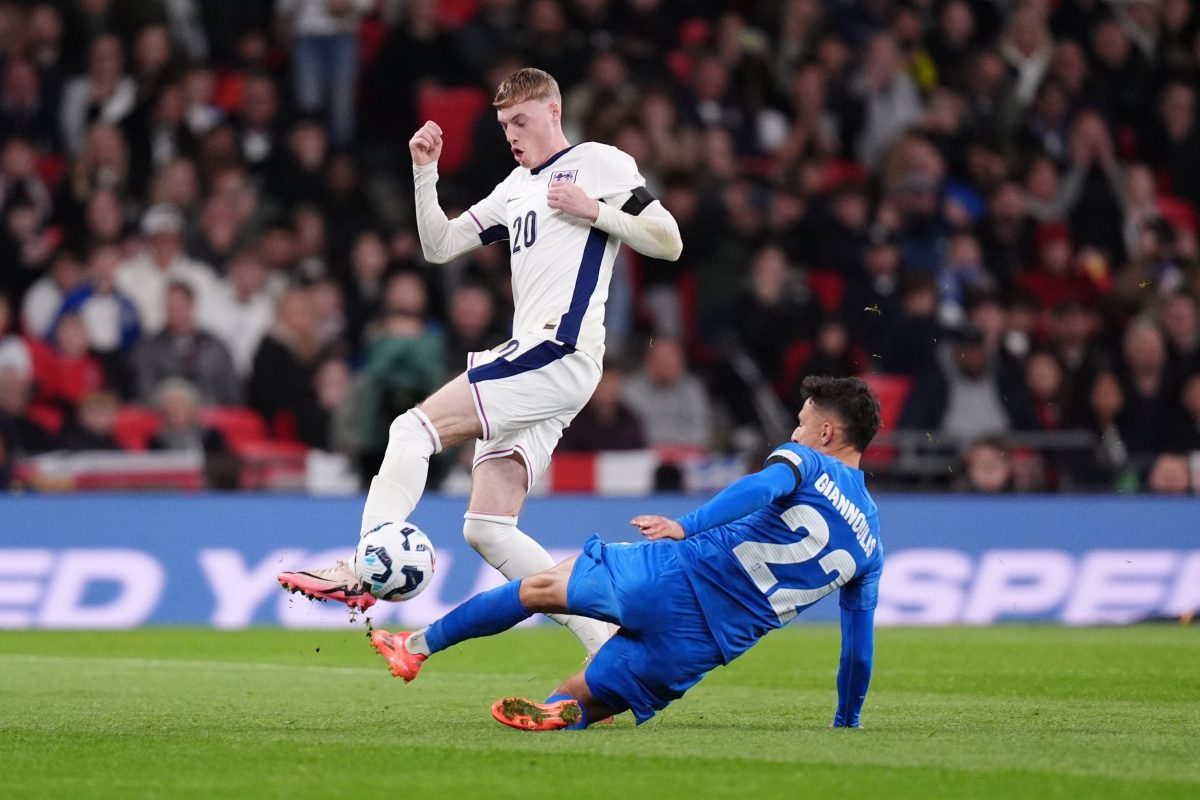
(820, 533)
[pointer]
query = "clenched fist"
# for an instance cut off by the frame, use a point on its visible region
(426, 144)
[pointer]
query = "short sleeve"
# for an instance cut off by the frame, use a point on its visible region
(802, 461)
(861, 594)
(489, 215)
(620, 185)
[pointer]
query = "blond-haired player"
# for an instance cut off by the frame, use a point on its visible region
(563, 213)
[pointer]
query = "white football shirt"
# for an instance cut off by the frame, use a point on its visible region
(561, 265)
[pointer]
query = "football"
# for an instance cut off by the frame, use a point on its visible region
(395, 561)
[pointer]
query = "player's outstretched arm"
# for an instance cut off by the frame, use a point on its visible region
(854, 670)
(742, 497)
(441, 238)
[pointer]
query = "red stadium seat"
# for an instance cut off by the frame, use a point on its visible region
(135, 427)
(48, 418)
(238, 425)
(455, 110)
(453, 14)
(828, 287)
(892, 391)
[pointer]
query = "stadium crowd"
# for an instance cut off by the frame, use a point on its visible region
(988, 206)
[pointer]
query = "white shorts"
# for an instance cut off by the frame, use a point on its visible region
(526, 392)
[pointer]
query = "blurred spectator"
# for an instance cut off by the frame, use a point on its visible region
(471, 325)
(1184, 432)
(874, 302)
(145, 277)
(242, 310)
(1006, 233)
(108, 314)
(178, 403)
(1056, 277)
(1146, 385)
(157, 136)
(962, 272)
(1170, 474)
(911, 335)
(74, 371)
(93, 424)
(1096, 184)
(333, 428)
(45, 297)
(1173, 144)
(831, 356)
(296, 175)
(182, 350)
(110, 318)
(1027, 47)
(963, 395)
(670, 402)
(364, 284)
(1046, 390)
(325, 58)
(26, 106)
(14, 352)
(258, 123)
(890, 99)
(201, 113)
(605, 423)
(22, 435)
(405, 363)
(103, 93)
(281, 380)
(773, 312)
(1181, 323)
(987, 466)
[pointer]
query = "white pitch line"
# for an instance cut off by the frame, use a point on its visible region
(188, 663)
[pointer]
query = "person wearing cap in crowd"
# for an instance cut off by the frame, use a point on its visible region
(145, 277)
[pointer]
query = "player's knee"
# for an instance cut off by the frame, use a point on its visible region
(486, 533)
(480, 534)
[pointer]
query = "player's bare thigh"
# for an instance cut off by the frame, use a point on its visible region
(451, 409)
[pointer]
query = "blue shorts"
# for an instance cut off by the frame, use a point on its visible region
(664, 646)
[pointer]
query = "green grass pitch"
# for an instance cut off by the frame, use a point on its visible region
(1004, 712)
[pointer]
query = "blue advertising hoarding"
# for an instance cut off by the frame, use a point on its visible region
(84, 561)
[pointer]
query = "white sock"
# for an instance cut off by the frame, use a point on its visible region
(417, 645)
(401, 480)
(503, 545)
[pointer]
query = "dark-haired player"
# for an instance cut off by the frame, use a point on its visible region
(708, 586)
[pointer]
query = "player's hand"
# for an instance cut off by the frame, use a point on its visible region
(656, 527)
(570, 199)
(426, 144)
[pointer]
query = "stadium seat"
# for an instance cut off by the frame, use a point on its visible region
(892, 391)
(135, 427)
(48, 418)
(453, 14)
(828, 287)
(238, 425)
(455, 110)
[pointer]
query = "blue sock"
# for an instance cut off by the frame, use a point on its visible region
(484, 614)
(583, 720)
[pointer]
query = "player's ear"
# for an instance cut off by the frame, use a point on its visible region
(555, 111)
